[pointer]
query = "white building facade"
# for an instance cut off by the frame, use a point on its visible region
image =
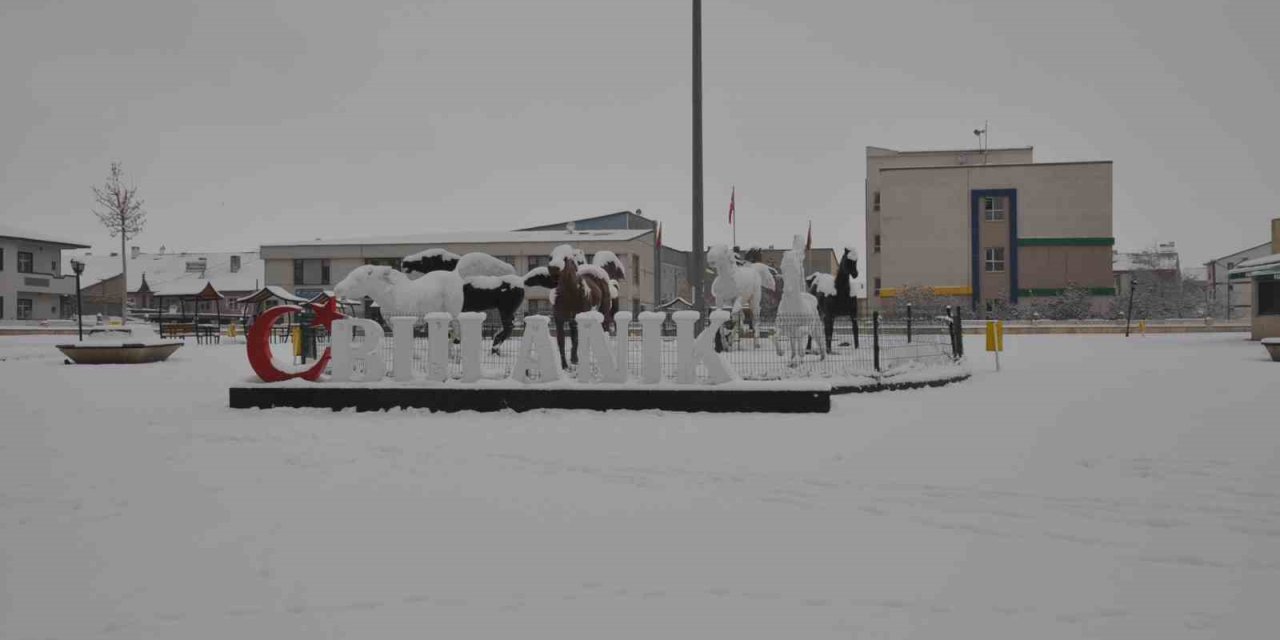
(33, 286)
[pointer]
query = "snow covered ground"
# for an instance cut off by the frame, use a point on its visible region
(1096, 487)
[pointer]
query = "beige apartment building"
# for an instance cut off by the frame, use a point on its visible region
(308, 268)
(985, 226)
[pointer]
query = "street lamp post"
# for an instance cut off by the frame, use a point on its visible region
(78, 267)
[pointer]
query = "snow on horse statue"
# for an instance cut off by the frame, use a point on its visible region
(798, 317)
(492, 283)
(609, 262)
(837, 295)
(468, 266)
(598, 273)
(573, 295)
(739, 286)
(397, 295)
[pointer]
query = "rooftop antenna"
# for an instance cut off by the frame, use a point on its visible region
(983, 140)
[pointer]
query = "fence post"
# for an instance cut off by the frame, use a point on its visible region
(958, 327)
(908, 323)
(875, 338)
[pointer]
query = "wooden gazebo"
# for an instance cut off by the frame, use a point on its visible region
(196, 293)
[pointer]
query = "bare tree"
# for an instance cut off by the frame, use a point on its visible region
(120, 211)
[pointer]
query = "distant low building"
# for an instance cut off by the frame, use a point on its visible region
(166, 278)
(1162, 263)
(34, 285)
(1232, 298)
(1263, 273)
(304, 268)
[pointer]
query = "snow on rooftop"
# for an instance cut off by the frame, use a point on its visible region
(1260, 262)
(469, 237)
(1133, 261)
(1265, 263)
(8, 231)
(433, 252)
(168, 269)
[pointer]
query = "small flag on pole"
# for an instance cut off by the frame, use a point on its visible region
(659, 241)
(732, 194)
(808, 244)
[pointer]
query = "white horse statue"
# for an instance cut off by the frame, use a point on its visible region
(398, 295)
(739, 286)
(798, 319)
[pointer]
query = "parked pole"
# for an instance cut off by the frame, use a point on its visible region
(875, 338)
(908, 323)
(1129, 314)
(699, 250)
(958, 336)
(79, 309)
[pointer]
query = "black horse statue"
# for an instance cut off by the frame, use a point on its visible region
(479, 292)
(430, 260)
(506, 294)
(836, 295)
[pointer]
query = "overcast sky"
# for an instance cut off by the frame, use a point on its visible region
(254, 122)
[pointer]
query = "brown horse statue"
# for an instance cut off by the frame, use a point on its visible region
(573, 295)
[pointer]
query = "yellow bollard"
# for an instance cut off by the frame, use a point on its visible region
(1142, 327)
(231, 330)
(995, 339)
(297, 341)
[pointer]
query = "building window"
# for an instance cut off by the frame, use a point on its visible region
(875, 201)
(1268, 297)
(53, 267)
(24, 308)
(995, 259)
(877, 287)
(1, 258)
(538, 261)
(311, 271)
(235, 264)
(992, 209)
(635, 269)
(877, 243)
(26, 263)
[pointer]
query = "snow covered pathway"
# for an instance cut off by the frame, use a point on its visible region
(1097, 487)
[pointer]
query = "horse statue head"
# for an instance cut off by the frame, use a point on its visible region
(849, 262)
(720, 255)
(371, 281)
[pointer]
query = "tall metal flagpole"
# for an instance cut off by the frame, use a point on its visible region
(698, 250)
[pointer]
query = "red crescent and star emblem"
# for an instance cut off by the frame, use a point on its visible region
(259, 341)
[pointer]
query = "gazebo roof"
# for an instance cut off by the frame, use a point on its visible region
(271, 291)
(189, 290)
